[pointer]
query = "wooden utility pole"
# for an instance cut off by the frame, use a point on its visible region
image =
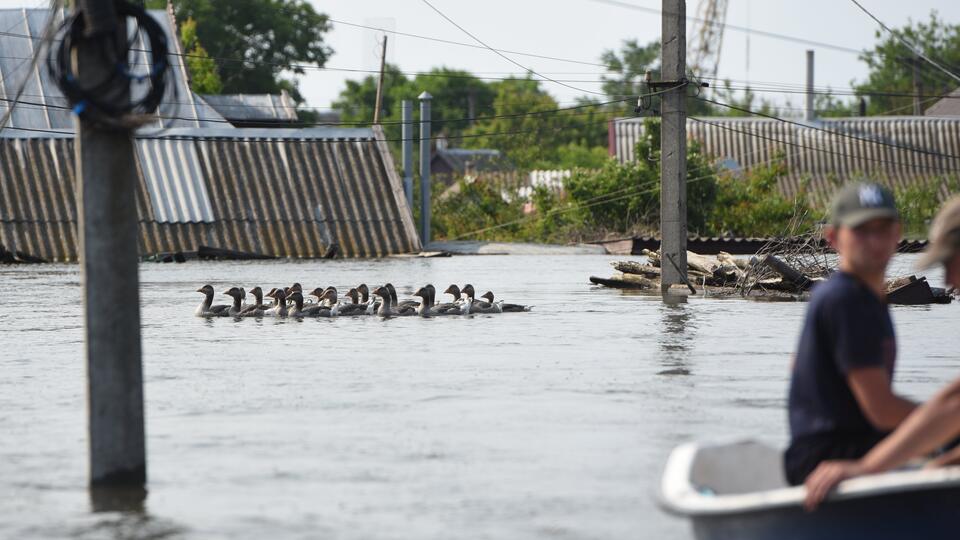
(673, 144)
(383, 62)
(106, 180)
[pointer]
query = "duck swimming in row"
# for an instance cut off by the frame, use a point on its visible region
(476, 306)
(289, 301)
(505, 308)
(354, 307)
(279, 308)
(386, 306)
(237, 308)
(206, 308)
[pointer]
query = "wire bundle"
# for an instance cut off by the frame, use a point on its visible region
(99, 101)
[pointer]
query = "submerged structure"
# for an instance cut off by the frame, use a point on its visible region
(201, 182)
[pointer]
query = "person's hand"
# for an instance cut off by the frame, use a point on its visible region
(950, 458)
(825, 477)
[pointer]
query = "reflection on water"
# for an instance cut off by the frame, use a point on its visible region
(548, 424)
(679, 331)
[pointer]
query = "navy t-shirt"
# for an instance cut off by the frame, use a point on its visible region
(847, 327)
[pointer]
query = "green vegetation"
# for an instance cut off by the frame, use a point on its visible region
(891, 66)
(272, 37)
(622, 199)
(918, 203)
(204, 77)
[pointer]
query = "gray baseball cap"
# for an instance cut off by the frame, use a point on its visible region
(944, 235)
(858, 202)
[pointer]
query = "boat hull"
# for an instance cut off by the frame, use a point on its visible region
(928, 514)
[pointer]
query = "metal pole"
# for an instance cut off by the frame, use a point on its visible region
(379, 103)
(917, 88)
(106, 179)
(406, 117)
(425, 168)
(673, 145)
(810, 114)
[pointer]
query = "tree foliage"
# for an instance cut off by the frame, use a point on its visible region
(891, 65)
(256, 43)
(204, 77)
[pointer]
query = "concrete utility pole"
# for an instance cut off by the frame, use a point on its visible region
(425, 98)
(673, 145)
(106, 180)
(406, 117)
(810, 114)
(379, 104)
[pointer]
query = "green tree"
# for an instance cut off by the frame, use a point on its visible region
(630, 65)
(891, 65)
(257, 42)
(204, 78)
(525, 139)
(453, 92)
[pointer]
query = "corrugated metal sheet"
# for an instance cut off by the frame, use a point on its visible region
(254, 107)
(946, 106)
(171, 173)
(42, 105)
(291, 194)
(898, 151)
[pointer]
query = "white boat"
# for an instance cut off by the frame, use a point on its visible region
(737, 491)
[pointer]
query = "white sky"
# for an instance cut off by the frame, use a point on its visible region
(583, 29)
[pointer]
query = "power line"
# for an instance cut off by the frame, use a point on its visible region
(913, 48)
(816, 149)
(725, 25)
(227, 138)
(36, 105)
(460, 43)
(505, 57)
(828, 131)
(55, 6)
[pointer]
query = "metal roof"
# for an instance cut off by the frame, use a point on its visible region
(290, 193)
(945, 106)
(42, 105)
(254, 107)
(898, 151)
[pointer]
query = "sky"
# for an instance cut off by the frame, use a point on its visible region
(581, 30)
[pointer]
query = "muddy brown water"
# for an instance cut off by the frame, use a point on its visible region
(549, 424)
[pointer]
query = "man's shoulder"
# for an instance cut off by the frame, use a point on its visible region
(838, 289)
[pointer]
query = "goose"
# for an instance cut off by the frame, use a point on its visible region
(354, 307)
(237, 307)
(397, 304)
(505, 308)
(476, 306)
(279, 308)
(206, 308)
(257, 308)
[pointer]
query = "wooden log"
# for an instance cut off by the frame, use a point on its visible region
(788, 273)
(616, 283)
(633, 267)
(207, 252)
(634, 278)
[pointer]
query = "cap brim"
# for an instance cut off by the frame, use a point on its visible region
(859, 217)
(935, 253)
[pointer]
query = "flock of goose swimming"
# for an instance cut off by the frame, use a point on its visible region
(289, 302)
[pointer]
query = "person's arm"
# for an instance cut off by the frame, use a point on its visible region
(931, 426)
(871, 387)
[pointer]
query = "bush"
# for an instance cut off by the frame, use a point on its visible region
(918, 203)
(753, 206)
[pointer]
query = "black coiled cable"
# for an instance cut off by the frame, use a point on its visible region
(99, 101)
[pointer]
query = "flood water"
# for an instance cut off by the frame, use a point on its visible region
(548, 424)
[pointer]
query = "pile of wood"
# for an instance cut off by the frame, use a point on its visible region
(722, 270)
